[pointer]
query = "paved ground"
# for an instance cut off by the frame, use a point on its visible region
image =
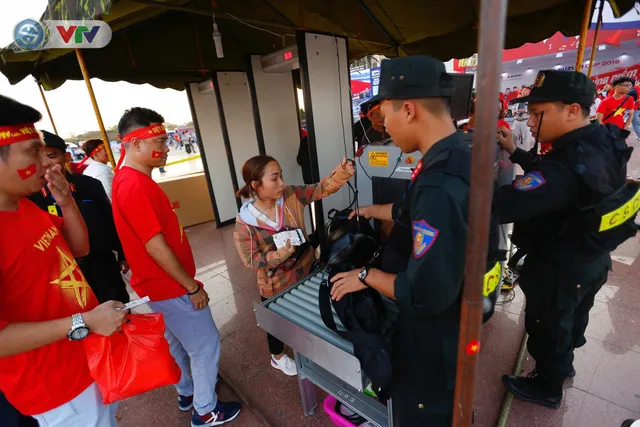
(605, 391)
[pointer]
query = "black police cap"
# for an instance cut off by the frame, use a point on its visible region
(411, 77)
(568, 87)
(53, 140)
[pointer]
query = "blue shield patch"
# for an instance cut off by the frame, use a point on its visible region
(423, 237)
(529, 182)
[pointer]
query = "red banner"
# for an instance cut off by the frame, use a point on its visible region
(556, 44)
(607, 78)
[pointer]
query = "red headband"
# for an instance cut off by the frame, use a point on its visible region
(151, 131)
(96, 150)
(17, 133)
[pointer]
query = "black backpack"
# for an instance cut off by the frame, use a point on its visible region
(611, 220)
(348, 245)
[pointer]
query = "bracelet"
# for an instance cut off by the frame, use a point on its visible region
(197, 290)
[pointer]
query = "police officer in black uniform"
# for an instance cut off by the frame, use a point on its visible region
(571, 209)
(432, 219)
(100, 267)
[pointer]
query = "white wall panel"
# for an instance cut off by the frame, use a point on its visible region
(238, 114)
(212, 144)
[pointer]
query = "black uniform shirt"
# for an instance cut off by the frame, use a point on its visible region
(95, 208)
(547, 199)
(438, 204)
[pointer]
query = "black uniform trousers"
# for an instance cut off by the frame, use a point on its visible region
(559, 298)
(102, 271)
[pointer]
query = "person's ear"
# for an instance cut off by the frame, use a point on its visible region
(409, 109)
(67, 157)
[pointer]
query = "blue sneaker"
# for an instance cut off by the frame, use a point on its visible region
(223, 413)
(185, 403)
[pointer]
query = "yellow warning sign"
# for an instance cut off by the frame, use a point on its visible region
(378, 158)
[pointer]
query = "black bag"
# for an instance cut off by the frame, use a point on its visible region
(348, 246)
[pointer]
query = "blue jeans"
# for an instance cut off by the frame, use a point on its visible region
(636, 122)
(194, 342)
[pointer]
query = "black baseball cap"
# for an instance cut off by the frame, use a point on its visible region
(53, 140)
(411, 77)
(568, 87)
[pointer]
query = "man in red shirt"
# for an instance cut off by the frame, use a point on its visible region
(163, 267)
(618, 108)
(46, 305)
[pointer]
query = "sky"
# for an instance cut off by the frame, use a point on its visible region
(70, 104)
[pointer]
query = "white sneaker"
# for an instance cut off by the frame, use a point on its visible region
(286, 365)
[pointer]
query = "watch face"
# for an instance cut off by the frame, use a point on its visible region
(79, 333)
(362, 274)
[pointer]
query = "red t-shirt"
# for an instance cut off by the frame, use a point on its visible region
(618, 118)
(141, 210)
(40, 280)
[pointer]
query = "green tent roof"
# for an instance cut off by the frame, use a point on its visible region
(168, 42)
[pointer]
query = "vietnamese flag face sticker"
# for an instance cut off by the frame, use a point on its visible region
(156, 154)
(27, 172)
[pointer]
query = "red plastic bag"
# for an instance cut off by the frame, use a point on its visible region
(132, 361)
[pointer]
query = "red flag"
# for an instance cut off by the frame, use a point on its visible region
(156, 154)
(28, 172)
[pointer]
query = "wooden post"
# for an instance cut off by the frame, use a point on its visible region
(87, 80)
(493, 15)
(594, 46)
(584, 27)
(46, 105)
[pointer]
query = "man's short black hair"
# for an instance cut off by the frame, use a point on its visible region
(436, 106)
(14, 113)
(623, 80)
(136, 118)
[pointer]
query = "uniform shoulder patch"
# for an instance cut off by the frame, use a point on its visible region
(423, 237)
(530, 181)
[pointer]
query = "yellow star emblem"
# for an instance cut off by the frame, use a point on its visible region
(474, 348)
(27, 173)
(72, 279)
(619, 112)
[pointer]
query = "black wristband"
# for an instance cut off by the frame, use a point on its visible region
(196, 291)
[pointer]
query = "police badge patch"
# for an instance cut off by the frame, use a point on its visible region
(423, 237)
(529, 182)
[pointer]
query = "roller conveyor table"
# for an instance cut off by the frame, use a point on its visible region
(323, 357)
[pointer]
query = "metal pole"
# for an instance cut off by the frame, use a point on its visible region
(584, 27)
(87, 80)
(46, 105)
(594, 46)
(490, 44)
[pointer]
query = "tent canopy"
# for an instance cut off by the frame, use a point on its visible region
(168, 42)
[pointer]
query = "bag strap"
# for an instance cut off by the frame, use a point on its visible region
(361, 338)
(614, 111)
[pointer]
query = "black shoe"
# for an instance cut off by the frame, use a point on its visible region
(628, 423)
(533, 389)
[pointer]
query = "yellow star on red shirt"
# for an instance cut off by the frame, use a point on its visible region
(72, 279)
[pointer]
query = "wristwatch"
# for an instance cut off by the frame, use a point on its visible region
(79, 330)
(363, 275)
